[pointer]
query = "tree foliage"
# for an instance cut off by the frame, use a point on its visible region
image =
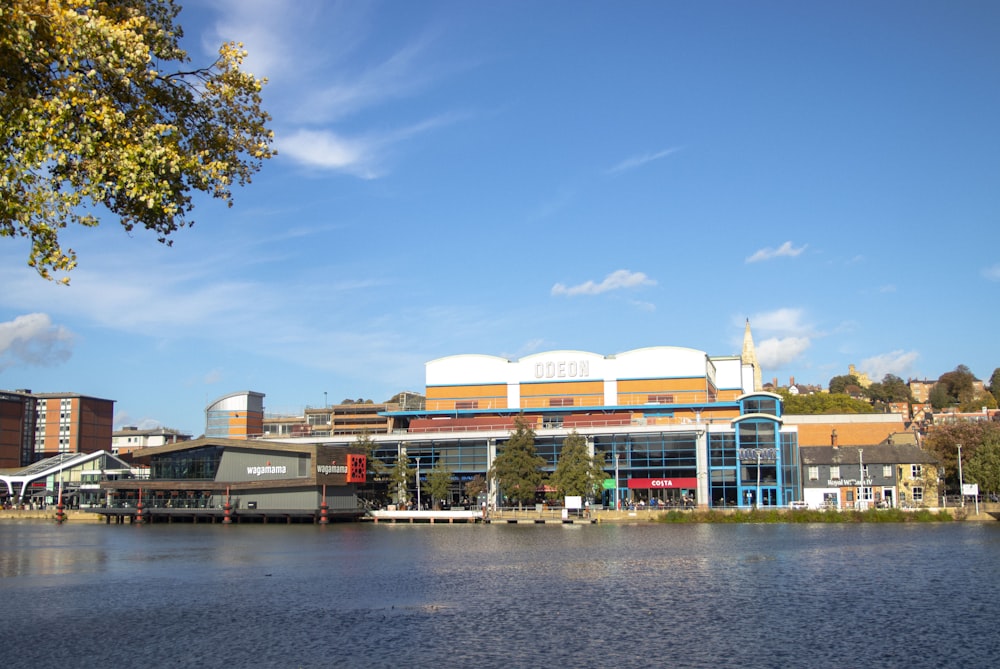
(475, 487)
(102, 110)
(400, 475)
(438, 484)
(995, 384)
(844, 385)
(823, 403)
(577, 473)
(957, 385)
(517, 468)
(943, 441)
(890, 389)
(984, 465)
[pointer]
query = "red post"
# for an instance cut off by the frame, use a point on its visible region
(138, 509)
(323, 519)
(227, 509)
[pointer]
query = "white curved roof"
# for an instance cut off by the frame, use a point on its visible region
(570, 365)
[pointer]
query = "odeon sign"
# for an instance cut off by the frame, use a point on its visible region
(562, 369)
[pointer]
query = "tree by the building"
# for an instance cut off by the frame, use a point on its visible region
(943, 441)
(103, 110)
(984, 465)
(475, 487)
(577, 473)
(959, 384)
(939, 398)
(845, 384)
(995, 384)
(518, 469)
(978, 402)
(890, 389)
(438, 485)
(823, 403)
(400, 475)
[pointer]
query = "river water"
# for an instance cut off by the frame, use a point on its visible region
(364, 595)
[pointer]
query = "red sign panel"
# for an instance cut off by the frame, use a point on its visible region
(357, 466)
(645, 484)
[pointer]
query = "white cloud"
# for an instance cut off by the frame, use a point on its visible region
(617, 280)
(32, 339)
(777, 352)
(785, 250)
(785, 336)
(899, 363)
(638, 161)
(992, 273)
(327, 150)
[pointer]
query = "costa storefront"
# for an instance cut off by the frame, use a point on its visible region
(664, 491)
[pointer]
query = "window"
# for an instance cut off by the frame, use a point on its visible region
(560, 401)
(916, 471)
(813, 473)
(918, 494)
(465, 405)
(835, 472)
(660, 399)
(887, 471)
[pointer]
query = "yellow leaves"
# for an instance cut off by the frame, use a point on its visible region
(108, 129)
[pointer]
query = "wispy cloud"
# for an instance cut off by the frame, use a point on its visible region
(638, 161)
(318, 58)
(617, 280)
(785, 250)
(992, 273)
(899, 363)
(33, 340)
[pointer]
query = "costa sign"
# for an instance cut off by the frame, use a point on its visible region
(646, 484)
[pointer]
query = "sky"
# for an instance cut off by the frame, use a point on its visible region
(508, 178)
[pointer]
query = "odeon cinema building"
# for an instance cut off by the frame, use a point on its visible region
(674, 425)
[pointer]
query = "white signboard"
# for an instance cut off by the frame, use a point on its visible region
(574, 502)
(970, 488)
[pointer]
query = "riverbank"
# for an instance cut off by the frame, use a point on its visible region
(989, 512)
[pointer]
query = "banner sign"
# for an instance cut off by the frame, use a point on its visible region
(645, 484)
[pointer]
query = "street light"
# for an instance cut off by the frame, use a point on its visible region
(861, 478)
(418, 484)
(961, 485)
(617, 503)
(757, 500)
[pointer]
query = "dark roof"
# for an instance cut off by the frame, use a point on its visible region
(880, 454)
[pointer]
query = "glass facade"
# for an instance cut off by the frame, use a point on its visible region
(747, 460)
(199, 464)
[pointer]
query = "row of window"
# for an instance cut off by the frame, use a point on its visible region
(916, 472)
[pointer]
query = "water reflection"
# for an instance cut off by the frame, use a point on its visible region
(362, 595)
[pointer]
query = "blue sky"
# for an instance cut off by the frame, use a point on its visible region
(513, 177)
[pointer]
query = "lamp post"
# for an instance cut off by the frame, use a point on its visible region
(961, 484)
(861, 478)
(418, 484)
(617, 502)
(757, 499)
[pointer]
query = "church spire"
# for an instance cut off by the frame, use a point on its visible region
(750, 357)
